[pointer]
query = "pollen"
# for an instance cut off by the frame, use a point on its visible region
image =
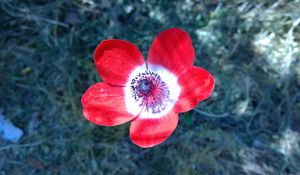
(151, 91)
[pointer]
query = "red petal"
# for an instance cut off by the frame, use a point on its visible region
(148, 132)
(104, 104)
(172, 49)
(196, 85)
(116, 59)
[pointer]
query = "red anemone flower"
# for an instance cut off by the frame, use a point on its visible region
(150, 94)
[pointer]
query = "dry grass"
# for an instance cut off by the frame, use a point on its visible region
(250, 125)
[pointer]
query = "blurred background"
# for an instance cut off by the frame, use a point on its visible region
(250, 125)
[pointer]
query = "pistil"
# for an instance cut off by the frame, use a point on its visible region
(153, 93)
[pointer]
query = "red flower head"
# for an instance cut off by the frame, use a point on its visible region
(150, 94)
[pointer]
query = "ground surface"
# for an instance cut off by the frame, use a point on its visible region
(250, 125)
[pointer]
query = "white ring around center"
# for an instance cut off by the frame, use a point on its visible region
(170, 80)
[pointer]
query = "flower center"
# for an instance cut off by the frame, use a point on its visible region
(151, 91)
(145, 86)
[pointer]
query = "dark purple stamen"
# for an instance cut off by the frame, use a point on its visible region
(151, 90)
